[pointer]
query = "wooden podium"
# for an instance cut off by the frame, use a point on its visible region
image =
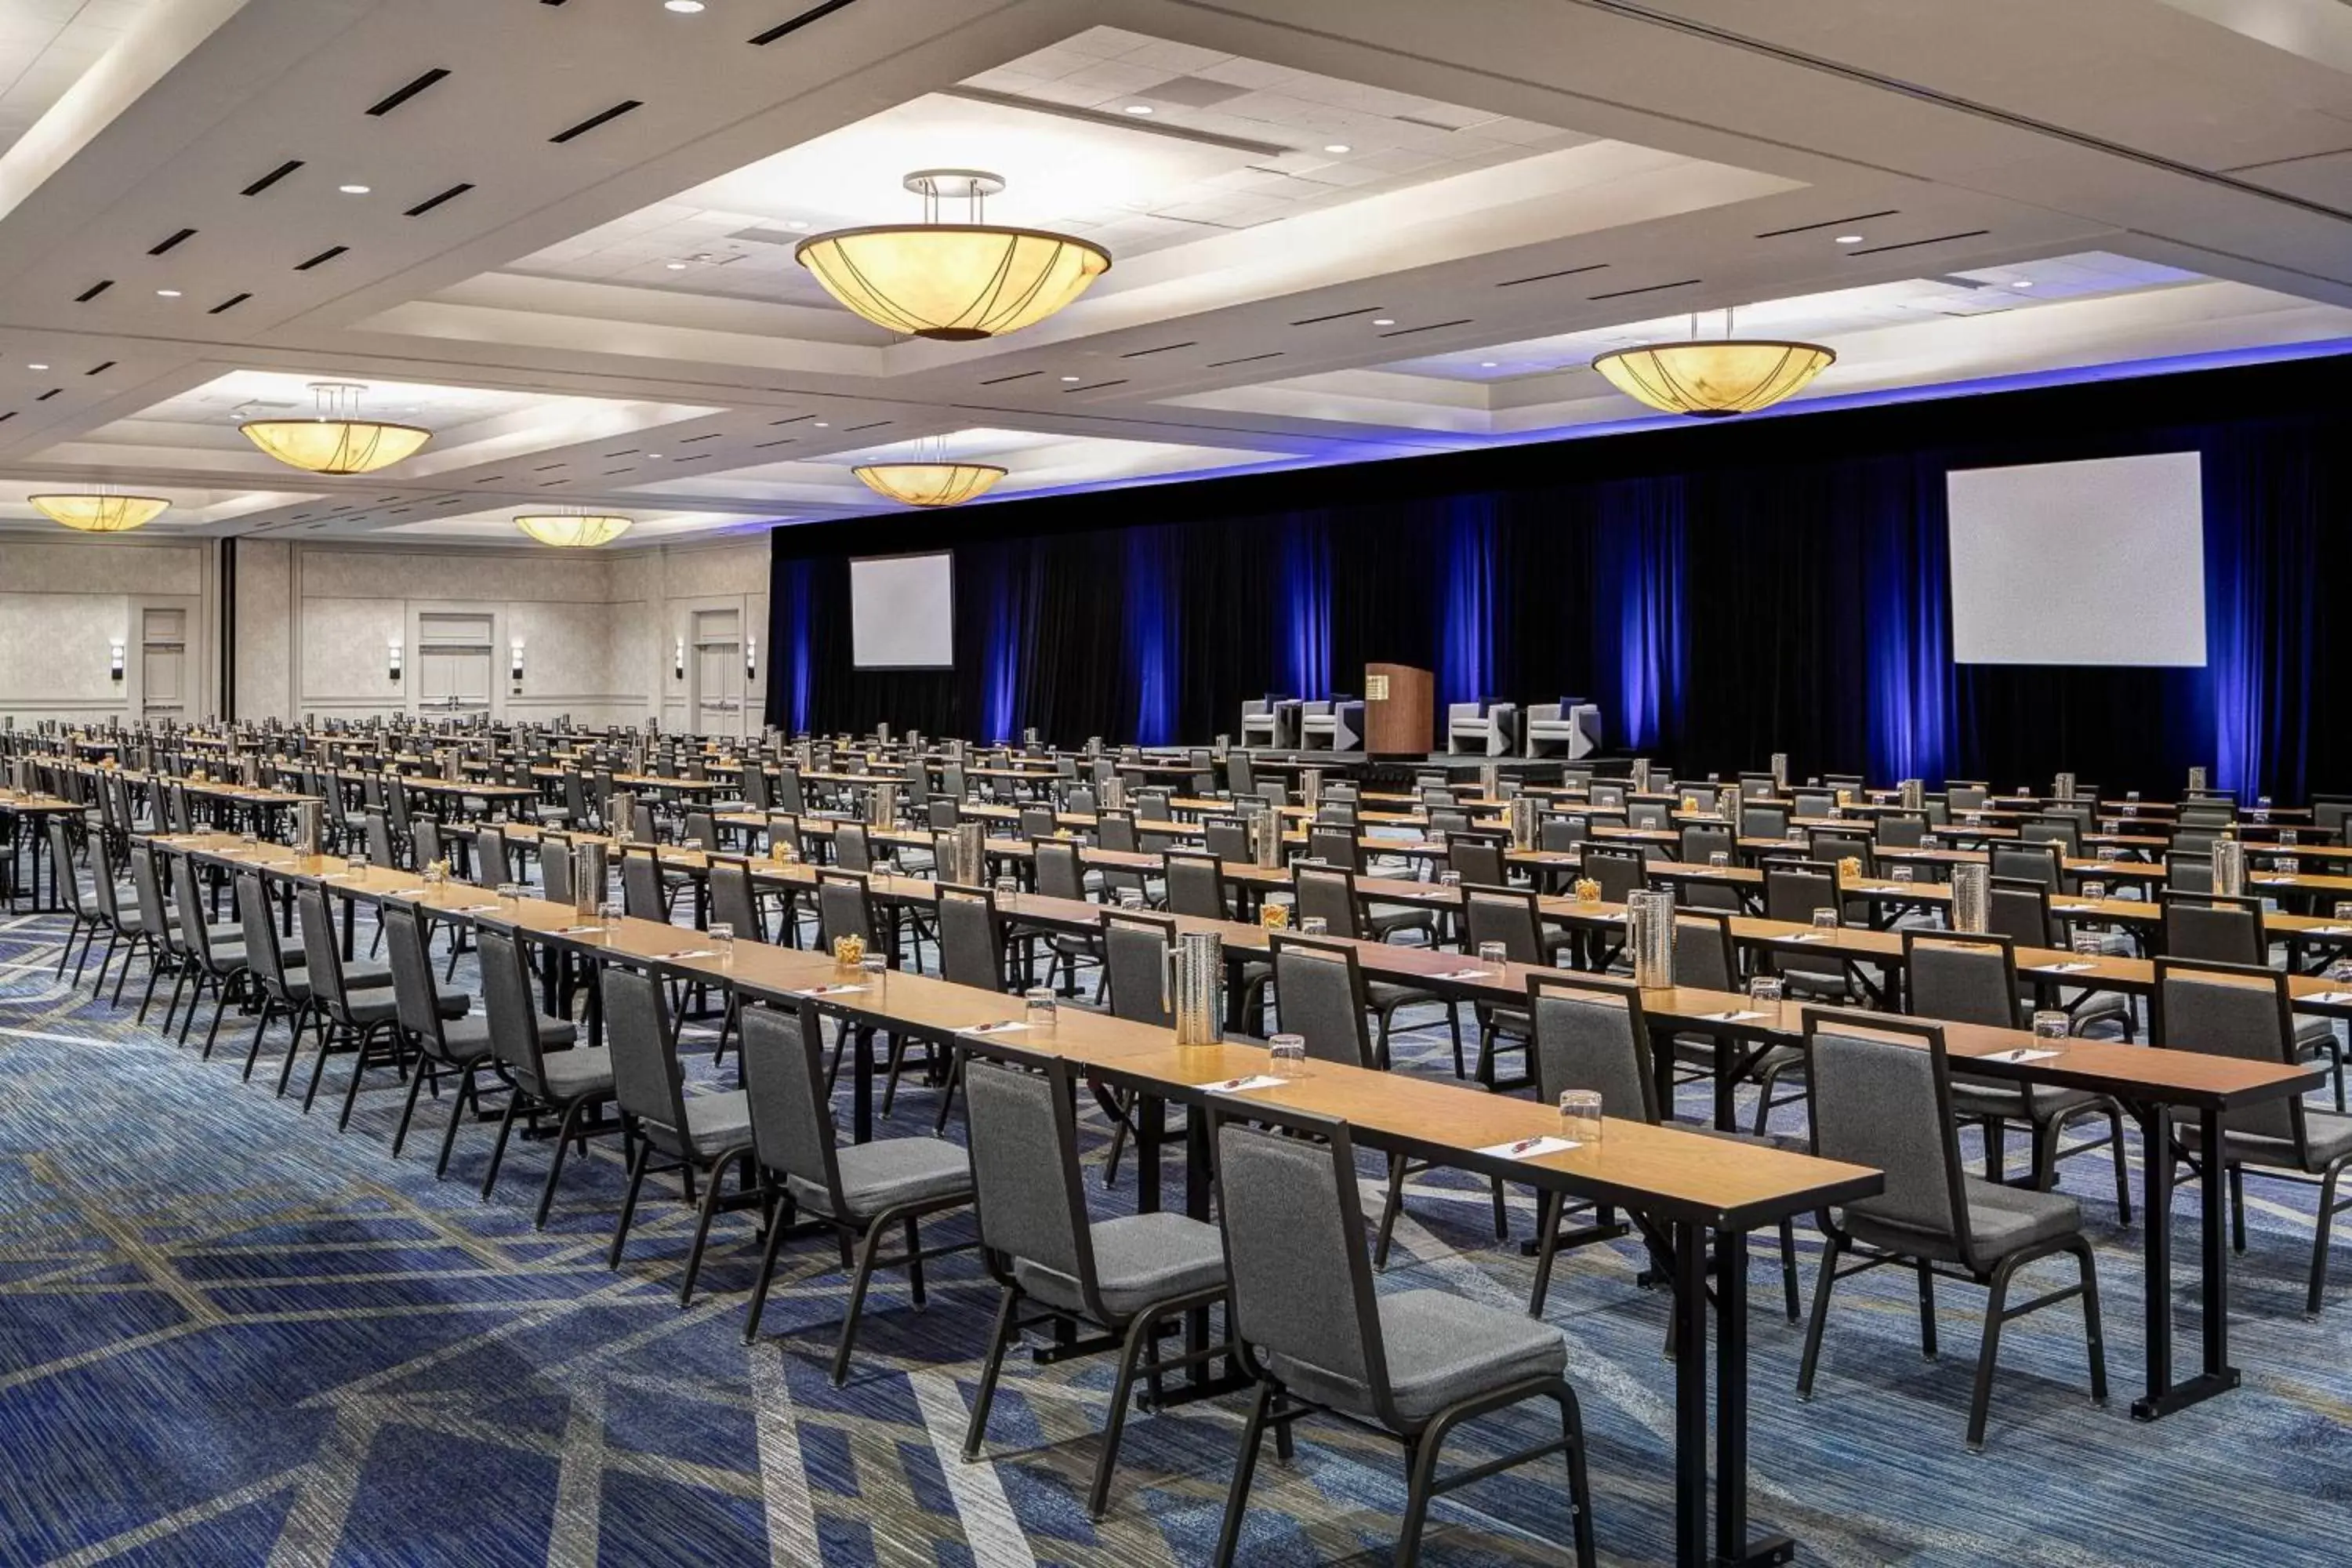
(1399, 712)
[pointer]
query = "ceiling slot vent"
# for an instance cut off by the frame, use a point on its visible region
(322, 259)
(786, 29)
(399, 96)
(231, 303)
(1434, 326)
(706, 436)
(101, 368)
(1915, 244)
(593, 120)
(429, 203)
(93, 291)
(1828, 223)
(1548, 277)
(272, 177)
(1019, 375)
(174, 239)
(46, 395)
(1245, 358)
(1164, 348)
(1646, 288)
(1337, 316)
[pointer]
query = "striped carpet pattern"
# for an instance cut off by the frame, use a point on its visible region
(229, 1335)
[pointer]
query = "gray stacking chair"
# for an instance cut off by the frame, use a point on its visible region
(364, 1022)
(1412, 1364)
(213, 956)
(1962, 978)
(1477, 860)
(2211, 928)
(415, 1002)
(1793, 889)
(1331, 897)
(281, 980)
(1592, 1034)
(1123, 1275)
(1136, 945)
(564, 1083)
(863, 1193)
(700, 1134)
(1512, 917)
(2244, 1011)
(2019, 908)
(1883, 1097)
(86, 920)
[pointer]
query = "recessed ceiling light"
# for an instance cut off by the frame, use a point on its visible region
(2022, 283)
(678, 267)
(823, 425)
(796, 223)
(1384, 320)
(1065, 378)
(653, 454)
(353, 190)
(1485, 364)
(683, 7)
(37, 367)
(1338, 147)
(1849, 239)
(167, 293)
(1138, 109)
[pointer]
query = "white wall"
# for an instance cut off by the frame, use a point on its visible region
(65, 600)
(597, 628)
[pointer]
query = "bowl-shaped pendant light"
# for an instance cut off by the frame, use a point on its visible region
(1709, 378)
(95, 513)
(336, 440)
(929, 484)
(953, 282)
(568, 530)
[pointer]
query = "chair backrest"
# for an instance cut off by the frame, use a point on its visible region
(1901, 829)
(1058, 871)
(322, 952)
(1294, 1231)
(1606, 794)
(195, 935)
(61, 868)
(1115, 830)
(971, 950)
(1962, 978)
(1318, 994)
(647, 1083)
(1793, 889)
(555, 868)
(702, 830)
(1563, 831)
(1829, 847)
(1038, 822)
(2214, 927)
(2019, 908)
(2188, 872)
(1477, 859)
(415, 997)
(1620, 872)
(1882, 1097)
(1024, 1164)
(380, 847)
(1764, 821)
(845, 907)
(258, 917)
(755, 777)
(2195, 840)
(425, 832)
(1224, 839)
(1704, 955)
(793, 1130)
(2207, 817)
(1328, 895)
(2063, 831)
(1590, 1034)
(1334, 845)
(732, 900)
(508, 1009)
(1964, 797)
(1196, 885)
(1135, 965)
(641, 888)
(787, 796)
(853, 850)
(2230, 1010)
(1701, 839)
(490, 867)
(2027, 862)
(1507, 915)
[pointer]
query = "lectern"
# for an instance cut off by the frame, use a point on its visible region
(1398, 710)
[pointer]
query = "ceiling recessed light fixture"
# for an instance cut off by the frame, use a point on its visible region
(353, 190)
(954, 282)
(2022, 283)
(1384, 320)
(796, 223)
(337, 440)
(1338, 147)
(1849, 239)
(167, 293)
(1711, 378)
(1065, 378)
(1485, 364)
(37, 367)
(683, 7)
(1138, 109)
(678, 267)
(822, 425)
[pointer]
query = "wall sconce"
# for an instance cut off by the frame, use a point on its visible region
(114, 660)
(677, 660)
(750, 658)
(392, 658)
(516, 671)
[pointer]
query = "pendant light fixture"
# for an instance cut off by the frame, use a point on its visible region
(99, 511)
(929, 477)
(953, 282)
(1709, 378)
(337, 440)
(574, 530)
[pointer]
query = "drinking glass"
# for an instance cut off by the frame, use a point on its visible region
(2086, 944)
(247, 840)
(1436, 838)
(1825, 920)
(1314, 925)
(2051, 1023)
(609, 913)
(1493, 954)
(1766, 991)
(356, 865)
(1718, 859)
(1449, 878)
(1039, 1000)
(2095, 891)
(2344, 908)
(1579, 1116)
(1285, 1057)
(1928, 841)
(875, 967)
(1903, 873)
(722, 941)
(1130, 898)
(510, 893)
(2109, 852)
(1006, 886)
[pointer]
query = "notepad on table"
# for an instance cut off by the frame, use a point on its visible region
(1741, 1016)
(2019, 1053)
(1002, 1026)
(2062, 968)
(1464, 974)
(1243, 1085)
(829, 990)
(1531, 1148)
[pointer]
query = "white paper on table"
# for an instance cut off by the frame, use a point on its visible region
(2273, 882)
(1003, 1026)
(2329, 930)
(828, 990)
(1243, 1085)
(410, 893)
(2062, 968)
(692, 953)
(1463, 974)
(2330, 998)
(473, 909)
(1741, 1016)
(1531, 1148)
(579, 930)
(2019, 1053)
(1811, 936)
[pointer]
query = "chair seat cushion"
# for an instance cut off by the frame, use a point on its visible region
(376, 1006)
(361, 975)
(1989, 1097)
(2001, 1220)
(2310, 1033)
(1140, 1259)
(1441, 1349)
(471, 1036)
(717, 1122)
(2326, 1135)
(882, 1175)
(580, 1071)
(1384, 994)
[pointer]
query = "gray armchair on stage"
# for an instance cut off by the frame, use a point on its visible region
(1482, 729)
(1270, 722)
(1337, 725)
(1570, 726)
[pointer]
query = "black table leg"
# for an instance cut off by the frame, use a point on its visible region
(1690, 1395)
(1149, 1113)
(1732, 1545)
(862, 1082)
(2164, 1397)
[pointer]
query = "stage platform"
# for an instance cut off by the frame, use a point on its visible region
(1357, 764)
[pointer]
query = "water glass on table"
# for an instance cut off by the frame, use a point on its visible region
(1825, 920)
(1764, 992)
(2086, 945)
(510, 894)
(722, 941)
(1580, 1117)
(1006, 886)
(1493, 955)
(2093, 892)
(1285, 1057)
(1718, 859)
(1039, 1006)
(1314, 925)
(609, 913)
(2053, 1023)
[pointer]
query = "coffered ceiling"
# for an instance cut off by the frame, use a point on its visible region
(560, 233)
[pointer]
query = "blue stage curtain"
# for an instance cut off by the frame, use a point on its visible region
(789, 650)
(1153, 646)
(1905, 611)
(1302, 601)
(1638, 612)
(1470, 611)
(2272, 494)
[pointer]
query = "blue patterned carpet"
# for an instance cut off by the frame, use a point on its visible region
(228, 1335)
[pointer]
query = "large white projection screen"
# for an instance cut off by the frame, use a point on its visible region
(2096, 563)
(902, 612)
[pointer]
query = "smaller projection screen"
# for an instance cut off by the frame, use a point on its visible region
(902, 612)
(2092, 562)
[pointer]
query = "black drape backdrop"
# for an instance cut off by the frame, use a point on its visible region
(1724, 590)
